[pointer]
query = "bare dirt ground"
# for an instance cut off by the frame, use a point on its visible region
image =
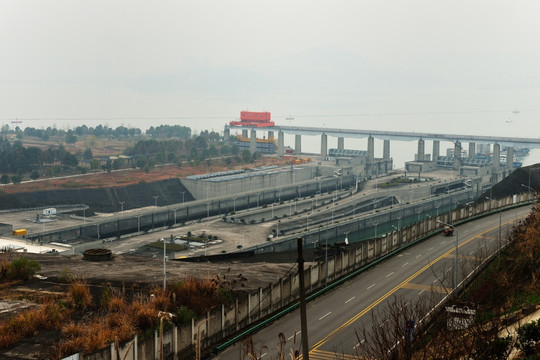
(128, 176)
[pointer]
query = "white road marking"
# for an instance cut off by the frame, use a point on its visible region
(420, 293)
(350, 299)
(370, 286)
(294, 335)
(390, 274)
(325, 315)
(357, 345)
(418, 256)
(405, 264)
(429, 249)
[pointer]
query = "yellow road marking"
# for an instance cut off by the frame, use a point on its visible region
(328, 355)
(396, 288)
(466, 257)
(439, 289)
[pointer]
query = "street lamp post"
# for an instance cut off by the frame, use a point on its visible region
(375, 225)
(490, 202)
(457, 256)
(307, 221)
(500, 221)
(234, 204)
(122, 206)
(528, 187)
(208, 211)
(290, 211)
(155, 200)
(164, 263)
(183, 193)
(139, 223)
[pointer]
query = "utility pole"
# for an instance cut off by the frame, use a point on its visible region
(303, 314)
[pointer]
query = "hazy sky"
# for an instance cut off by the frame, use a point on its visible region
(394, 63)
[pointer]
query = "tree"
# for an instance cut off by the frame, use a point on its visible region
(108, 165)
(22, 268)
(34, 175)
(71, 138)
(16, 179)
(141, 162)
(69, 160)
(88, 154)
(246, 156)
(94, 164)
(4, 179)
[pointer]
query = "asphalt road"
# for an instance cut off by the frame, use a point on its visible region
(336, 320)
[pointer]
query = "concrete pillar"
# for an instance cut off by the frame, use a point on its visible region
(421, 150)
(472, 150)
(509, 158)
(496, 157)
(324, 145)
(245, 134)
(496, 163)
(340, 143)
(370, 150)
(457, 155)
(253, 141)
(280, 143)
(436, 149)
(386, 149)
(297, 144)
(270, 135)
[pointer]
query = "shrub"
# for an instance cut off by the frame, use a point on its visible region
(528, 336)
(183, 315)
(22, 268)
(78, 295)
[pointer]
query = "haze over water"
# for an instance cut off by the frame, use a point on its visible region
(455, 67)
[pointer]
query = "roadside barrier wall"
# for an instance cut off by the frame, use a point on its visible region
(281, 297)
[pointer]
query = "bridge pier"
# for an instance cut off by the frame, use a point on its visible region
(457, 155)
(244, 134)
(496, 163)
(386, 150)
(509, 158)
(341, 143)
(253, 142)
(420, 156)
(436, 150)
(370, 156)
(280, 143)
(472, 150)
(324, 145)
(297, 144)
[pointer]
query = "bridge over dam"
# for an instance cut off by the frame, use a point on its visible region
(496, 166)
